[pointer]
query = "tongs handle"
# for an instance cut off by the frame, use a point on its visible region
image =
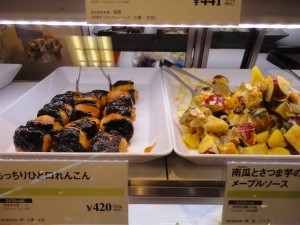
(166, 63)
(107, 77)
(169, 71)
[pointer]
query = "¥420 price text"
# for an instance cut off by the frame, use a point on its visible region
(104, 207)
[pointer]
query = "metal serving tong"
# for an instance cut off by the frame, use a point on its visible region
(105, 74)
(216, 87)
(77, 80)
(107, 77)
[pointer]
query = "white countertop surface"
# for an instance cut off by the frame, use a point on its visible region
(147, 214)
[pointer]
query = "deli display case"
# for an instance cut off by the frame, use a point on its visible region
(53, 50)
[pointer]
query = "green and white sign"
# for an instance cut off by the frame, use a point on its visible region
(63, 192)
(262, 193)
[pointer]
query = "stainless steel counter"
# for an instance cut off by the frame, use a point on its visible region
(175, 177)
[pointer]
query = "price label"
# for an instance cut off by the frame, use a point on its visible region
(262, 193)
(63, 192)
(160, 12)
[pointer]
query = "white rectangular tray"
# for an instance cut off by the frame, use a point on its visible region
(236, 77)
(150, 128)
(8, 73)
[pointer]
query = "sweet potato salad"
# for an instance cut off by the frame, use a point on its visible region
(259, 117)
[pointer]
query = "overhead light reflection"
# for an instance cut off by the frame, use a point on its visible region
(84, 23)
(90, 50)
(80, 55)
(89, 42)
(76, 42)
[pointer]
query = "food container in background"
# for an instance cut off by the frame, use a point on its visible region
(142, 59)
(45, 48)
(38, 46)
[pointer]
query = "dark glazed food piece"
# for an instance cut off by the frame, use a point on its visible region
(67, 97)
(122, 95)
(127, 85)
(123, 84)
(120, 107)
(89, 100)
(88, 125)
(70, 139)
(84, 110)
(100, 94)
(45, 122)
(105, 142)
(32, 139)
(134, 95)
(117, 124)
(59, 110)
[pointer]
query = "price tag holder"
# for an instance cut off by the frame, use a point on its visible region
(63, 192)
(161, 12)
(262, 193)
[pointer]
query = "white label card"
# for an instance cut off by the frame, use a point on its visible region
(63, 192)
(262, 193)
(161, 12)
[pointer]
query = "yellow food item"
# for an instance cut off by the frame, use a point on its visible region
(200, 99)
(208, 145)
(228, 148)
(237, 94)
(293, 136)
(257, 79)
(276, 139)
(278, 88)
(191, 140)
(294, 97)
(283, 110)
(262, 137)
(215, 125)
(258, 149)
(278, 151)
(237, 118)
(229, 104)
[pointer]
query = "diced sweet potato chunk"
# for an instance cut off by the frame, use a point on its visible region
(292, 136)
